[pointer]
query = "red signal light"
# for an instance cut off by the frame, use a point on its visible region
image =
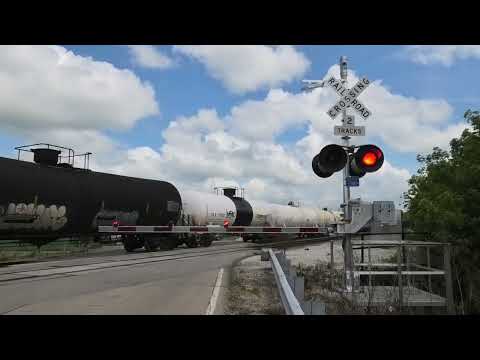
(369, 159)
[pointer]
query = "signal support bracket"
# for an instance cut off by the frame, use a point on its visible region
(362, 212)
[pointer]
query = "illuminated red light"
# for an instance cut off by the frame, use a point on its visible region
(369, 159)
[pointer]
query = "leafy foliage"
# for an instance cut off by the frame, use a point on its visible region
(444, 200)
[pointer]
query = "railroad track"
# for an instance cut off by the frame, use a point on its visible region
(67, 270)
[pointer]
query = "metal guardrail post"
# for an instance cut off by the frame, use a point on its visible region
(289, 301)
(429, 265)
(332, 268)
(299, 288)
(399, 269)
(448, 279)
(369, 269)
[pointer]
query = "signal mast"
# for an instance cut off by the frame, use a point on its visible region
(355, 161)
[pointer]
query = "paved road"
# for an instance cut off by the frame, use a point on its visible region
(140, 283)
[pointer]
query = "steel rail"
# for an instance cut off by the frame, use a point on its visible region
(156, 258)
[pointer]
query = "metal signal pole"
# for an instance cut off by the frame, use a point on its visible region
(347, 238)
(346, 142)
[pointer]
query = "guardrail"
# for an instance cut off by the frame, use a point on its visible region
(289, 301)
(292, 287)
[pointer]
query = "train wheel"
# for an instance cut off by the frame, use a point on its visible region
(205, 241)
(168, 244)
(129, 243)
(191, 242)
(150, 245)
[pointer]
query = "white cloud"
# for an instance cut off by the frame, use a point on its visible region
(49, 94)
(243, 68)
(242, 148)
(405, 123)
(150, 57)
(48, 87)
(441, 54)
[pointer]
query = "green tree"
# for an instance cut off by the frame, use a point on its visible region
(444, 200)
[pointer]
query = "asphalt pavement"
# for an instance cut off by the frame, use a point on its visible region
(177, 282)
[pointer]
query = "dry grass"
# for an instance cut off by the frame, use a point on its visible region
(29, 252)
(252, 291)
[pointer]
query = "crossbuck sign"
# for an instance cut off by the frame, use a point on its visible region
(348, 98)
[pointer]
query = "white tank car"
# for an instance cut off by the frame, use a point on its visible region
(206, 209)
(285, 215)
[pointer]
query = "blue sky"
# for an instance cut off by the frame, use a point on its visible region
(146, 88)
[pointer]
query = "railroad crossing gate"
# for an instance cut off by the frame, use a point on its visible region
(149, 229)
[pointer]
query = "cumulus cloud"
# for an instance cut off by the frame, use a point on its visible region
(244, 68)
(49, 87)
(242, 147)
(441, 54)
(407, 124)
(149, 56)
(49, 94)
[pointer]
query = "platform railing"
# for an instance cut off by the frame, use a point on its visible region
(405, 269)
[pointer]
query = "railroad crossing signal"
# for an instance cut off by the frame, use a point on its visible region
(333, 158)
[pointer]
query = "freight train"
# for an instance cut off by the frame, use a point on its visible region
(47, 199)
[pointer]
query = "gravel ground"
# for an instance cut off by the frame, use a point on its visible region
(252, 289)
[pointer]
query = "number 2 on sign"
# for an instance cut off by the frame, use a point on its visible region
(348, 120)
